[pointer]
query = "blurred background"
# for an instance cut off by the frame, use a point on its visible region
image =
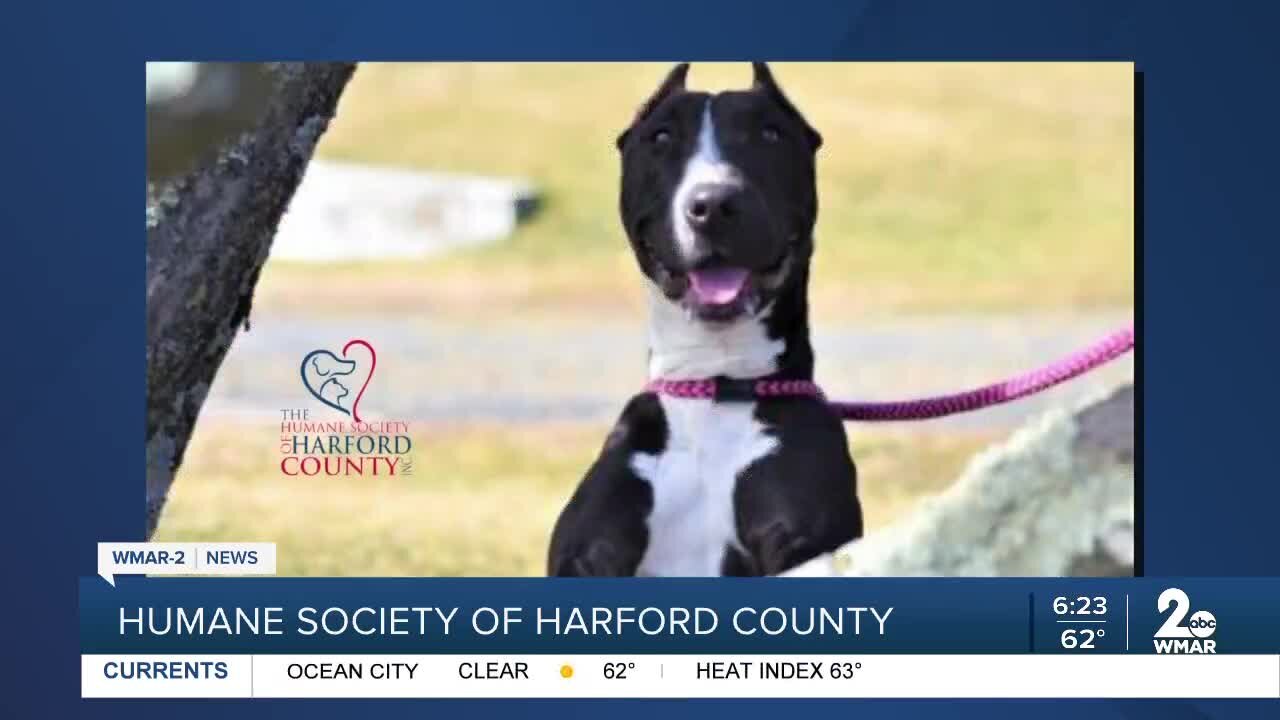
(976, 220)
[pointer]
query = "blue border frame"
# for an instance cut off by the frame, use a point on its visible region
(71, 282)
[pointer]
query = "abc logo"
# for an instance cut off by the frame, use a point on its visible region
(1202, 623)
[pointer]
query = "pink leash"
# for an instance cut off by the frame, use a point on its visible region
(1104, 351)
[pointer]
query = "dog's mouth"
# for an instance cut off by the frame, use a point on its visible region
(717, 286)
(718, 291)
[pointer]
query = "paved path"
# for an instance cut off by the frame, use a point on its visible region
(437, 371)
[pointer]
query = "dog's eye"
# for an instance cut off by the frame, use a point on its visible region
(771, 134)
(661, 136)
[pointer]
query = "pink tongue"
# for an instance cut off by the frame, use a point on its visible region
(718, 286)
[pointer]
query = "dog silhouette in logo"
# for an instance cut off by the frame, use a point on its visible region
(321, 371)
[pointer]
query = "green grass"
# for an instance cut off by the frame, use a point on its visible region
(482, 500)
(983, 186)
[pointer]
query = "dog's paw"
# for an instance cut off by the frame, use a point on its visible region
(600, 558)
(778, 548)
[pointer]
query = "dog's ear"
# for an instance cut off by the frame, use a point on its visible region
(762, 79)
(673, 83)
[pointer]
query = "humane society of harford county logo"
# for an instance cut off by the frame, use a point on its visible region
(338, 440)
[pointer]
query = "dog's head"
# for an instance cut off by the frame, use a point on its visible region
(718, 194)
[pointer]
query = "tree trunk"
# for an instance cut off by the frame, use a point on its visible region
(1055, 500)
(208, 236)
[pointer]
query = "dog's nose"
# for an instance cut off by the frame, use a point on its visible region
(711, 204)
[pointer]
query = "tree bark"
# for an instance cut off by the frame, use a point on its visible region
(208, 236)
(1055, 500)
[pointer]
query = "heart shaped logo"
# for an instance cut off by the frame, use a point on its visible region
(332, 379)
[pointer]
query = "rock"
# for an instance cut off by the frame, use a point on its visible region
(1056, 499)
(344, 211)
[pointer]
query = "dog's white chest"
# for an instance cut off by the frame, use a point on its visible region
(693, 481)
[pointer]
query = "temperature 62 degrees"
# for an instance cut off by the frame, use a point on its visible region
(1081, 638)
(618, 670)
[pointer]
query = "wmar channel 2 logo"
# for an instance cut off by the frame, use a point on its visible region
(331, 445)
(1180, 634)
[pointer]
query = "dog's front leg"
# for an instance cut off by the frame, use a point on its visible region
(603, 530)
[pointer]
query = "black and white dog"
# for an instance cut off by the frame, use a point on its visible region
(718, 200)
